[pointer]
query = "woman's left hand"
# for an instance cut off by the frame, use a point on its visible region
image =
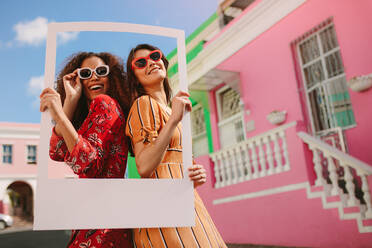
(198, 174)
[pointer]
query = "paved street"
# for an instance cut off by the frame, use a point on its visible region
(21, 235)
(56, 239)
(33, 239)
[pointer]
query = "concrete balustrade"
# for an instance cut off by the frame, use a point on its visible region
(355, 174)
(256, 157)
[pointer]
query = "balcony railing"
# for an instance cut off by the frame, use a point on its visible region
(259, 156)
(341, 173)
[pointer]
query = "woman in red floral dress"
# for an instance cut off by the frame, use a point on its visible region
(89, 109)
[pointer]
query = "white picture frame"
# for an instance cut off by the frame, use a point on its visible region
(111, 203)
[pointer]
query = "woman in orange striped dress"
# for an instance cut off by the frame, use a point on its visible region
(156, 137)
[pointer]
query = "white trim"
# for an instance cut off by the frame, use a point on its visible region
(267, 192)
(7, 142)
(339, 205)
(218, 101)
(18, 176)
(237, 116)
(19, 133)
(195, 108)
(344, 157)
(252, 24)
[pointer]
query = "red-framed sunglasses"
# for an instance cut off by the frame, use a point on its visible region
(141, 62)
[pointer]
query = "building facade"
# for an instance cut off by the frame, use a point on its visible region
(281, 95)
(18, 168)
(280, 90)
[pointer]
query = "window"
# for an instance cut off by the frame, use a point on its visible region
(7, 154)
(31, 154)
(197, 120)
(199, 135)
(324, 80)
(229, 103)
(230, 113)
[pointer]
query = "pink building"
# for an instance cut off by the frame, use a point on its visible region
(18, 168)
(281, 90)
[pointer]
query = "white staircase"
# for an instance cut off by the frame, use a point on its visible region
(349, 193)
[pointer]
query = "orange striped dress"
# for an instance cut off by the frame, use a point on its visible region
(146, 119)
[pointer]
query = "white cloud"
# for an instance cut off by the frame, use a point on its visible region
(35, 85)
(34, 32)
(64, 37)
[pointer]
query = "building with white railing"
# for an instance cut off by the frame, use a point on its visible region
(281, 120)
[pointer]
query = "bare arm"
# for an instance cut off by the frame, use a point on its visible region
(50, 99)
(149, 156)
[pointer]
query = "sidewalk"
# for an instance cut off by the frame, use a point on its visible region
(19, 225)
(22, 225)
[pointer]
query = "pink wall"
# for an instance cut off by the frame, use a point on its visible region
(19, 166)
(287, 219)
(268, 77)
(269, 82)
(19, 163)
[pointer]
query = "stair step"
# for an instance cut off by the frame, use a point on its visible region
(367, 222)
(315, 189)
(351, 210)
(335, 198)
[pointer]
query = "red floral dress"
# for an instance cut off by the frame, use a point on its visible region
(100, 152)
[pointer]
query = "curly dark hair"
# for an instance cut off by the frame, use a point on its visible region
(135, 88)
(116, 78)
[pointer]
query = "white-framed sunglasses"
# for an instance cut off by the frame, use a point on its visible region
(86, 72)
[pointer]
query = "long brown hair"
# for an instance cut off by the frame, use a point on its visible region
(135, 88)
(116, 78)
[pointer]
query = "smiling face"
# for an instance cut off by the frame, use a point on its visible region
(95, 85)
(153, 73)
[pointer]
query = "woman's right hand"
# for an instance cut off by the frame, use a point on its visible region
(180, 104)
(51, 100)
(73, 86)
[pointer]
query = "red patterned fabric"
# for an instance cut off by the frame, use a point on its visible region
(101, 152)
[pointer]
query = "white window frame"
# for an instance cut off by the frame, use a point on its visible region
(27, 154)
(195, 108)
(2, 153)
(326, 79)
(237, 117)
(202, 135)
(218, 101)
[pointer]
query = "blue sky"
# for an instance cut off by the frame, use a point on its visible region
(23, 30)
